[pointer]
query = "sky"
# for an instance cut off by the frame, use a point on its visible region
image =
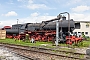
(34, 11)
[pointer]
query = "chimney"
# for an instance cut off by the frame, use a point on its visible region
(63, 18)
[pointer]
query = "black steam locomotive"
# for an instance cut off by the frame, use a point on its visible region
(40, 29)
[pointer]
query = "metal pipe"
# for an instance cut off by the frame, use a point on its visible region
(57, 27)
(68, 21)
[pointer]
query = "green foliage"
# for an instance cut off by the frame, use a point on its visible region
(86, 43)
(82, 44)
(83, 35)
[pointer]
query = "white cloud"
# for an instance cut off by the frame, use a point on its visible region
(20, 0)
(7, 23)
(80, 17)
(37, 6)
(10, 2)
(30, 1)
(11, 13)
(35, 14)
(30, 19)
(46, 13)
(81, 8)
(34, 19)
(72, 2)
(31, 5)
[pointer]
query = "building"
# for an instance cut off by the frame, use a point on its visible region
(83, 27)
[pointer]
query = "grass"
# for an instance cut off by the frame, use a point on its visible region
(63, 44)
(63, 49)
(85, 43)
(12, 41)
(81, 56)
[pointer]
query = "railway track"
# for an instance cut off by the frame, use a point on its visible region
(44, 51)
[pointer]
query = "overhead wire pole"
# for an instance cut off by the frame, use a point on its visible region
(61, 29)
(18, 26)
(57, 30)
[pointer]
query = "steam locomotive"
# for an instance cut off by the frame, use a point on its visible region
(44, 31)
